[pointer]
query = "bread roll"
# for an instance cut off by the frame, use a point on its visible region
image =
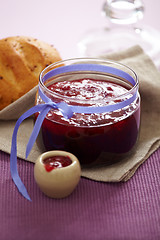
(21, 61)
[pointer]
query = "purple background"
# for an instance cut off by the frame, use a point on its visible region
(93, 211)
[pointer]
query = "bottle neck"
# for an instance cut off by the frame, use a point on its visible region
(123, 12)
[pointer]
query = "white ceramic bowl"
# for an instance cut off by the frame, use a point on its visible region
(59, 182)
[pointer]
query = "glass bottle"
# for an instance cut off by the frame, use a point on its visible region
(123, 31)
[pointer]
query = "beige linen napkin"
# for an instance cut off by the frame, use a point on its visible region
(149, 139)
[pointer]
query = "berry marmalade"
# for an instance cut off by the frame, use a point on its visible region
(93, 138)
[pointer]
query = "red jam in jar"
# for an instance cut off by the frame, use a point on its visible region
(96, 137)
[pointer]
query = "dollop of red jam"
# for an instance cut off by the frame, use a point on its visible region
(54, 162)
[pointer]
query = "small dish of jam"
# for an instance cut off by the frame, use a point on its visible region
(57, 173)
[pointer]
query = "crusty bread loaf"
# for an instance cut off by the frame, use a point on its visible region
(21, 61)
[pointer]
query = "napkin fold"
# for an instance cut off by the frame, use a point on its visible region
(149, 137)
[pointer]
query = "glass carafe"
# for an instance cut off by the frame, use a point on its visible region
(123, 30)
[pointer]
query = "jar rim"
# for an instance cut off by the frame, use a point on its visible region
(98, 61)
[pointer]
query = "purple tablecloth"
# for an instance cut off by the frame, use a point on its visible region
(95, 211)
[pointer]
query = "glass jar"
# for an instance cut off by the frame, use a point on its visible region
(101, 119)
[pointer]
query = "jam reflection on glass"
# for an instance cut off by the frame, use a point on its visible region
(92, 137)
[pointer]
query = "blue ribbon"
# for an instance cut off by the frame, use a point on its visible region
(66, 110)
